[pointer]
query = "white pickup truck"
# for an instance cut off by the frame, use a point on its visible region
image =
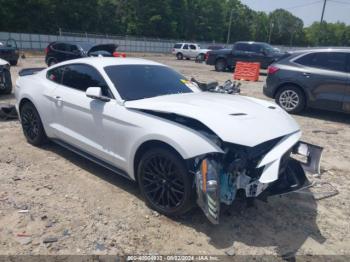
(188, 51)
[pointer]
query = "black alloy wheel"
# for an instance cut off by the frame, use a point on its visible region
(165, 182)
(32, 126)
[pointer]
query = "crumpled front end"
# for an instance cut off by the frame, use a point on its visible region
(272, 168)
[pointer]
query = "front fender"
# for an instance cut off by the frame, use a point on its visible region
(186, 142)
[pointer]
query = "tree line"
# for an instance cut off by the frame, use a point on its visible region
(197, 20)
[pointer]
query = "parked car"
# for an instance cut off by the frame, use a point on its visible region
(9, 52)
(318, 78)
(224, 59)
(5, 78)
(188, 51)
(145, 121)
(61, 51)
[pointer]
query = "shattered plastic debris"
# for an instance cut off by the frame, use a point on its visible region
(321, 190)
(7, 112)
(228, 87)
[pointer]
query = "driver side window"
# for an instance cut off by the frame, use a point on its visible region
(185, 46)
(81, 77)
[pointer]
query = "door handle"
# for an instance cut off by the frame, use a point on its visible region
(58, 98)
(307, 75)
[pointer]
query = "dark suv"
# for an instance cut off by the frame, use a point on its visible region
(61, 51)
(318, 78)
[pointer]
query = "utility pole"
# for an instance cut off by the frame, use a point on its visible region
(321, 22)
(324, 8)
(270, 31)
(229, 29)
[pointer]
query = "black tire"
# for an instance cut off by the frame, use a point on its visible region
(291, 99)
(32, 126)
(220, 65)
(200, 57)
(179, 56)
(13, 62)
(51, 62)
(165, 182)
(7, 83)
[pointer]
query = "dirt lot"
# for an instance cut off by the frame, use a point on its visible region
(89, 210)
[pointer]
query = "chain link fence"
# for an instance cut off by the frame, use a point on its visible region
(26, 41)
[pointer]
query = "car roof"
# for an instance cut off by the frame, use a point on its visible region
(101, 62)
(186, 43)
(251, 42)
(321, 49)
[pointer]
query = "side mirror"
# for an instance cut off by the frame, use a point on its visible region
(96, 93)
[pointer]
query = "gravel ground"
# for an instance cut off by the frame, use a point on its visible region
(55, 202)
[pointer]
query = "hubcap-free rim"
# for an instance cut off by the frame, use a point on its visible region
(161, 184)
(30, 124)
(289, 100)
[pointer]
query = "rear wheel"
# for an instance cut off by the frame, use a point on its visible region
(291, 99)
(52, 62)
(179, 56)
(201, 57)
(32, 126)
(165, 182)
(220, 65)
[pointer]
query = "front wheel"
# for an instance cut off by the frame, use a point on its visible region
(165, 182)
(179, 56)
(291, 99)
(32, 126)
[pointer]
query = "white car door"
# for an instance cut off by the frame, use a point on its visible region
(86, 124)
(193, 51)
(186, 50)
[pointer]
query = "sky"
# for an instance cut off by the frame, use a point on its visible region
(308, 10)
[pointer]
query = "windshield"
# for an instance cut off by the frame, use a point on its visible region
(270, 49)
(135, 82)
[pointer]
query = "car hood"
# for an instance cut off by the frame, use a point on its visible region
(234, 118)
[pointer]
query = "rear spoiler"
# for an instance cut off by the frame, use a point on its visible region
(30, 71)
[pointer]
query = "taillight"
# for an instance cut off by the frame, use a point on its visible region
(116, 54)
(272, 69)
(46, 50)
(206, 56)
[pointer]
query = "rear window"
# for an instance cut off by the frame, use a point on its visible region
(60, 47)
(335, 61)
(242, 47)
(177, 46)
(55, 74)
(135, 82)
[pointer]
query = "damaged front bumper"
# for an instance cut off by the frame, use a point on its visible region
(216, 185)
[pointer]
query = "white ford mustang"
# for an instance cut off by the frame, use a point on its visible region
(146, 122)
